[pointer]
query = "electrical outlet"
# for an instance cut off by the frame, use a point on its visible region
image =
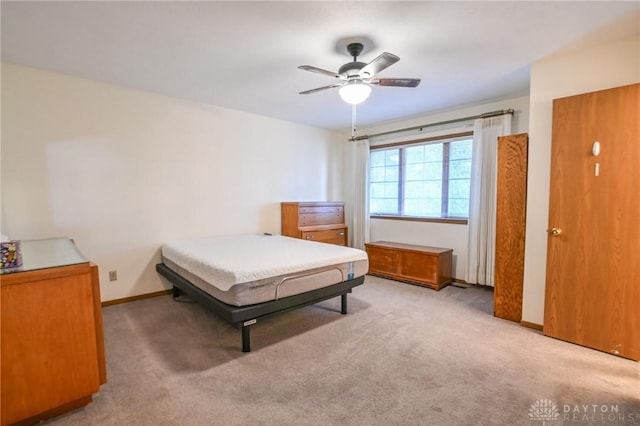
(113, 275)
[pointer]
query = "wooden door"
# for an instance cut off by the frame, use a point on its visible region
(593, 264)
(510, 226)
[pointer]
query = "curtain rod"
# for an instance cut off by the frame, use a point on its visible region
(456, 120)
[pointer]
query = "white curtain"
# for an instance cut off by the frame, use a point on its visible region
(482, 199)
(360, 231)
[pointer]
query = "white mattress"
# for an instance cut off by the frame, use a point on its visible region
(247, 269)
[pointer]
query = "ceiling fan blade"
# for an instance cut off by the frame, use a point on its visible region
(397, 82)
(378, 64)
(321, 71)
(331, 86)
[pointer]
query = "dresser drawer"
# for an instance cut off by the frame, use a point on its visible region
(311, 219)
(333, 236)
(320, 209)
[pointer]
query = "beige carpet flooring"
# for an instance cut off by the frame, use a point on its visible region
(404, 355)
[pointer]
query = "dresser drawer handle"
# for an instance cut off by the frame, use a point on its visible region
(308, 237)
(341, 234)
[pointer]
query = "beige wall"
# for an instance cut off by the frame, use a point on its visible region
(603, 67)
(122, 171)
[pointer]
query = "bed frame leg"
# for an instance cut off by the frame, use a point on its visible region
(176, 292)
(344, 304)
(246, 339)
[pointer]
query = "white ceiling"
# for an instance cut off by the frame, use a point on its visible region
(244, 55)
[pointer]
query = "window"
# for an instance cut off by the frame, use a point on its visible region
(425, 179)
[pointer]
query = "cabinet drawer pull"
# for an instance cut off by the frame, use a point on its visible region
(308, 237)
(341, 234)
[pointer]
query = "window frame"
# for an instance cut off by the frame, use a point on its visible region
(445, 174)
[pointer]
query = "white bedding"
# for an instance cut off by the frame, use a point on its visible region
(230, 260)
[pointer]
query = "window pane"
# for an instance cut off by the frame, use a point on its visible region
(460, 153)
(433, 152)
(414, 155)
(391, 174)
(391, 190)
(460, 149)
(415, 172)
(459, 169)
(421, 179)
(459, 208)
(376, 190)
(384, 188)
(415, 189)
(433, 171)
(376, 174)
(422, 207)
(384, 180)
(459, 188)
(392, 157)
(390, 206)
(458, 198)
(377, 159)
(415, 207)
(383, 206)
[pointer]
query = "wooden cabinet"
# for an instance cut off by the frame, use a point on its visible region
(510, 226)
(428, 266)
(52, 339)
(321, 221)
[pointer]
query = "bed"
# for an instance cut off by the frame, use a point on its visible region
(244, 278)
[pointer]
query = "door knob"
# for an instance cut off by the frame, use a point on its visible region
(555, 231)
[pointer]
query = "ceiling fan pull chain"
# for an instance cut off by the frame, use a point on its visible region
(353, 120)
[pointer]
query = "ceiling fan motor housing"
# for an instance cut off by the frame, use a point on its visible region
(355, 49)
(351, 68)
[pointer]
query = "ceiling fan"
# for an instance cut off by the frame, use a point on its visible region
(356, 78)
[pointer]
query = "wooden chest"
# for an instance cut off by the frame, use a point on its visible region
(321, 221)
(428, 266)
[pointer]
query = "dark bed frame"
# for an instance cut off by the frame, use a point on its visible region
(244, 316)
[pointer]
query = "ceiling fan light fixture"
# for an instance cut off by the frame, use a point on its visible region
(355, 92)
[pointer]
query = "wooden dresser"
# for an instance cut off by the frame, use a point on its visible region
(52, 339)
(321, 221)
(428, 266)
